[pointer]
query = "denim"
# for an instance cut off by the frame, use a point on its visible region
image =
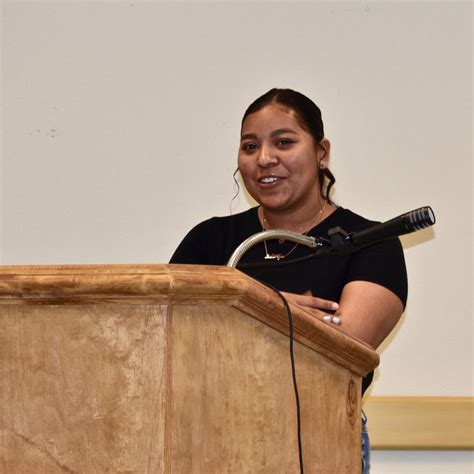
(365, 446)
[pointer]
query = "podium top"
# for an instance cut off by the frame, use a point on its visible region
(179, 285)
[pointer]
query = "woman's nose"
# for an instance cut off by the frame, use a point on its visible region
(266, 156)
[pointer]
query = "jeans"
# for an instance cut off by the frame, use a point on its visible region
(365, 446)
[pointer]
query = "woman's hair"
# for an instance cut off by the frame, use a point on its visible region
(309, 117)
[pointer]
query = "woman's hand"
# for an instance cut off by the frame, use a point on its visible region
(318, 306)
(366, 311)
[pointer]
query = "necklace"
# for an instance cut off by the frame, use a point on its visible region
(279, 256)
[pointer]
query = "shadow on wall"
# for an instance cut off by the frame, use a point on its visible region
(385, 344)
(408, 241)
(417, 238)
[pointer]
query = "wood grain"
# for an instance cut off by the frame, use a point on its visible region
(169, 369)
(163, 284)
(82, 389)
(233, 399)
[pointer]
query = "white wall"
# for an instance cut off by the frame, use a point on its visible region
(121, 122)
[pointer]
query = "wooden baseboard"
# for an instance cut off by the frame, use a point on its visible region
(419, 423)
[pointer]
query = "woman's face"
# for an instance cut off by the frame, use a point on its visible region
(279, 160)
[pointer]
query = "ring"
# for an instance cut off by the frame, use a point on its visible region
(336, 320)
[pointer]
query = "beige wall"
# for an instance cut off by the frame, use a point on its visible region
(120, 127)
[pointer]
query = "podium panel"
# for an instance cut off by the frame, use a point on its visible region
(169, 369)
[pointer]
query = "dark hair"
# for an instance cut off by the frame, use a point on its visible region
(309, 117)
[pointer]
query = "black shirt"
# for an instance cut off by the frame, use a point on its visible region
(213, 241)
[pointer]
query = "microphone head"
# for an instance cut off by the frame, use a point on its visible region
(421, 218)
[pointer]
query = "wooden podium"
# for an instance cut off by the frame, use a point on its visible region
(169, 369)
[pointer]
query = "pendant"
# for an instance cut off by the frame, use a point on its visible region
(274, 256)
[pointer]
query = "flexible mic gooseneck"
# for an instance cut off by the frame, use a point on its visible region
(340, 241)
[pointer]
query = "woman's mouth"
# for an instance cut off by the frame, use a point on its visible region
(268, 180)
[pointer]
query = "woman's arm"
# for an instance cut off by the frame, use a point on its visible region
(367, 311)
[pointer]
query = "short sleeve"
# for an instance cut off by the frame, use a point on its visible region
(194, 248)
(382, 263)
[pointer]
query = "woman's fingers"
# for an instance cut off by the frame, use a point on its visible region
(310, 301)
(324, 304)
(317, 306)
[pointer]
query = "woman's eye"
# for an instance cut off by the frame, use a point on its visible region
(284, 142)
(248, 146)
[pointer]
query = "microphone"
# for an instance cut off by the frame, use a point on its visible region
(340, 242)
(406, 223)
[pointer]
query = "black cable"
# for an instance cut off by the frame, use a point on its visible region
(319, 252)
(293, 373)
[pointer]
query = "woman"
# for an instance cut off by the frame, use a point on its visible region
(283, 160)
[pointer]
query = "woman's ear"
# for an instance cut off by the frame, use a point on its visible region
(324, 149)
